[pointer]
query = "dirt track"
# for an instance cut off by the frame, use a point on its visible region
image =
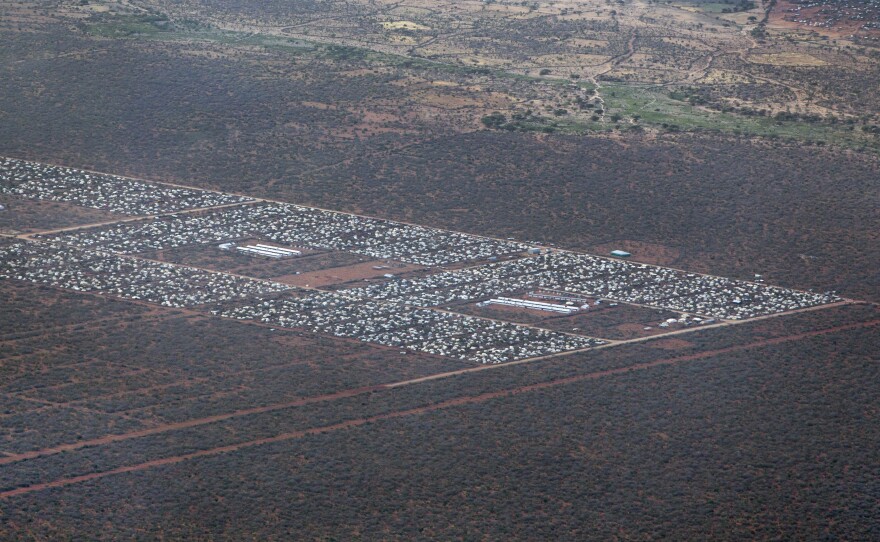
(362, 421)
(14, 458)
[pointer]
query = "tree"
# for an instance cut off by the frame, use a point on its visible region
(494, 120)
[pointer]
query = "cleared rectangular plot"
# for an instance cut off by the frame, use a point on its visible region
(19, 214)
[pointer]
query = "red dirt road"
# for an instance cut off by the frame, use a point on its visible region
(361, 421)
(13, 458)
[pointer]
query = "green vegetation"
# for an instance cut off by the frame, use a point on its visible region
(633, 107)
(160, 28)
(630, 106)
(121, 26)
(728, 6)
(654, 106)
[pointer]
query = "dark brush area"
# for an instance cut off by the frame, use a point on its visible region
(743, 445)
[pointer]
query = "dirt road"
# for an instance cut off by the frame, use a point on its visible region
(465, 400)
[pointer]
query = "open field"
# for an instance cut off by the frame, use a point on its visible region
(351, 275)
(210, 256)
(618, 322)
(21, 215)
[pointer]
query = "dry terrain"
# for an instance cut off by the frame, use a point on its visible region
(734, 138)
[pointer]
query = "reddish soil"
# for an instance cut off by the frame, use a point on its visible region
(638, 330)
(672, 344)
(30, 216)
(507, 313)
(621, 322)
(349, 273)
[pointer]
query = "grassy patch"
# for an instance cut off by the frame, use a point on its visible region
(159, 27)
(404, 25)
(122, 26)
(729, 6)
(652, 106)
(787, 59)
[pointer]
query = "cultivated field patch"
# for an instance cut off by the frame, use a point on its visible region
(787, 59)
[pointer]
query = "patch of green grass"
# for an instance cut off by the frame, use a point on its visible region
(247, 39)
(146, 27)
(718, 7)
(122, 26)
(656, 108)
